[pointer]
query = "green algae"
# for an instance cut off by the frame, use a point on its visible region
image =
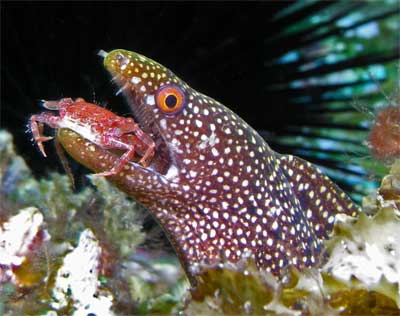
(121, 225)
(360, 277)
(67, 213)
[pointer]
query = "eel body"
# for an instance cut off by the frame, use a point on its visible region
(214, 185)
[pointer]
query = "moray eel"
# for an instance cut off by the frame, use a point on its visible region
(215, 186)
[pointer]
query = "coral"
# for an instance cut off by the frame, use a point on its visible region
(119, 224)
(390, 187)
(77, 282)
(58, 227)
(55, 223)
(13, 171)
(367, 249)
(360, 277)
(21, 239)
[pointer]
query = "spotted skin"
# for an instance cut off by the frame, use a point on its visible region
(214, 185)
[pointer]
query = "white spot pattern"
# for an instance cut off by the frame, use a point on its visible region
(230, 192)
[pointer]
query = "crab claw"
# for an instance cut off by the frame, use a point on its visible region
(50, 105)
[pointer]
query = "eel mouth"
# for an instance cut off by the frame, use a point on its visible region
(162, 159)
(115, 63)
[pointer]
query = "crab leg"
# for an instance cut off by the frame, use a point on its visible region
(146, 139)
(144, 161)
(122, 161)
(37, 129)
(143, 138)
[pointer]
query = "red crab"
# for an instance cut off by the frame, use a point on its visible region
(98, 125)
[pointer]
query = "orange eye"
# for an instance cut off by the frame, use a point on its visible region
(170, 99)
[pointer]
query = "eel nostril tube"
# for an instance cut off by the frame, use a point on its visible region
(102, 53)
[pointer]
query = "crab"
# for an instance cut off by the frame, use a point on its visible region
(98, 125)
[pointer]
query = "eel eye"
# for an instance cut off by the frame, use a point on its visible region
(170, 99)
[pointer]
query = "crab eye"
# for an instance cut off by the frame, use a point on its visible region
(170, 99)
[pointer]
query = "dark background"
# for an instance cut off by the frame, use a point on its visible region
(223, 49)
(49, 51)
